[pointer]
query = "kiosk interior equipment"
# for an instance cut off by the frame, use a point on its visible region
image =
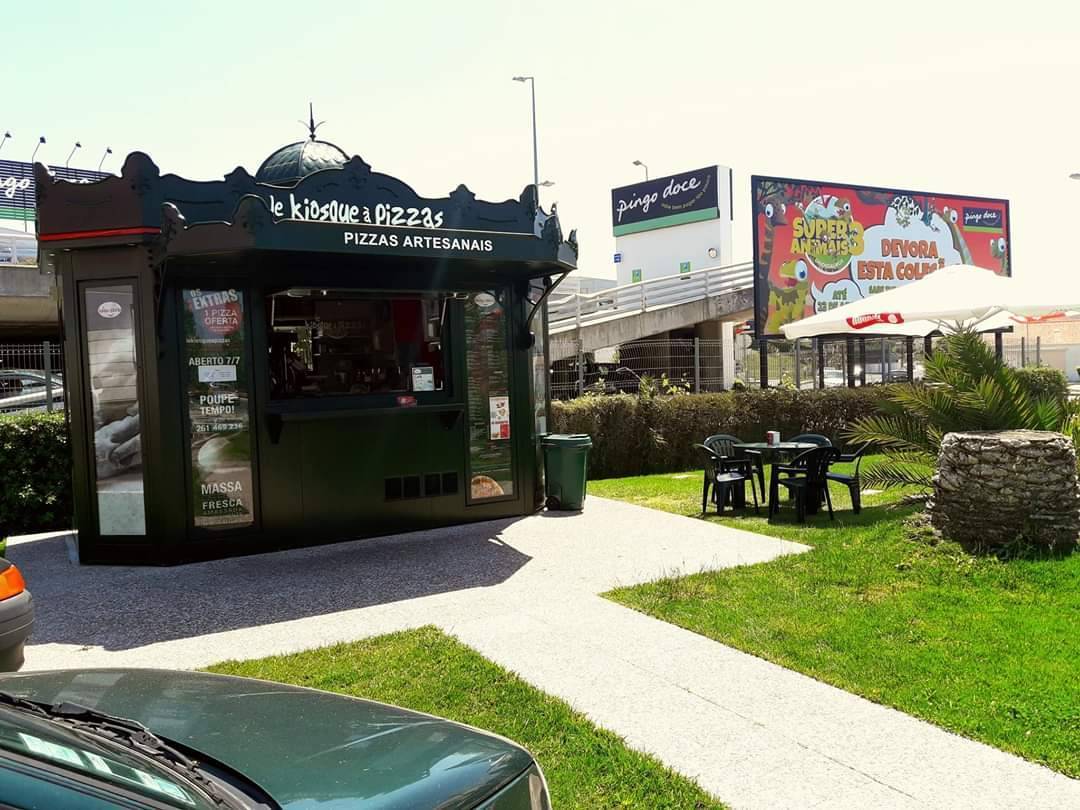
(307, 354)
(334, 342)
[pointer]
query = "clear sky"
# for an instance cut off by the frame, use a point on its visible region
(958, 97)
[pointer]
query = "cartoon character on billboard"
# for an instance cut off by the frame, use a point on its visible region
(952, 221)
(787, 280)
(999, 250)
(772, 209)
(788, 296)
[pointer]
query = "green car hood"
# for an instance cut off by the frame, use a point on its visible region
(304, 747)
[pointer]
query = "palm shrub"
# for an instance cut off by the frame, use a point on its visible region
(965, 387)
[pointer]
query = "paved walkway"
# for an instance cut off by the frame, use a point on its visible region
(524, 594)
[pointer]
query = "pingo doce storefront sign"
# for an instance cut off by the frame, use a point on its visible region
(17, 188)
(665, 201)
(818, 246)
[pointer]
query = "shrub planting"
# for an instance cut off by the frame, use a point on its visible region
(636, 435)
(1040, 381)
(35, 474)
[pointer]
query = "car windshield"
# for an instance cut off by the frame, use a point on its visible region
(46, 741)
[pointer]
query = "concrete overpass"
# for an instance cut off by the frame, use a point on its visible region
(28, 295)
(28, 303)
(621, 314)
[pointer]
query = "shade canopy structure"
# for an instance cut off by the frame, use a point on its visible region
(957, 297)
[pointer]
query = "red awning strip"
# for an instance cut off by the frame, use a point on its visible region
(56, 237)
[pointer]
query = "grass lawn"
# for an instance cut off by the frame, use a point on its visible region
(429, 671)
(985, 648)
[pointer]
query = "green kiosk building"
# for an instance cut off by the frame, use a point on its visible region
(312, 354)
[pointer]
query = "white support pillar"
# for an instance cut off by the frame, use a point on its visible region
(727, 353)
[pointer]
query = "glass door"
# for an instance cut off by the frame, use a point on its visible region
(487, 359)
(113, 375)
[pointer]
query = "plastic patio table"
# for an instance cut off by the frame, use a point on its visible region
(770, 450)
(779, 447)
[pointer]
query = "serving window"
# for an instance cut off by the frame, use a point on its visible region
(330, 343)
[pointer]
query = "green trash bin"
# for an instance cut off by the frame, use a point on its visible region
(566, 458)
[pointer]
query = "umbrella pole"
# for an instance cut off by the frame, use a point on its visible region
(820, 362)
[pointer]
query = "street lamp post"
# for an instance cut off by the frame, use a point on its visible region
(41, 140)
(536, 159)
(4, 139)
(67, 163)
(105, 154)
(642, 165)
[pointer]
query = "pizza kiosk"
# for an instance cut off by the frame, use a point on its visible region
(313, 353)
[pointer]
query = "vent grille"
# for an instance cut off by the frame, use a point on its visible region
(432, 484)
(449, 483)
(428, 485)
(393, 489)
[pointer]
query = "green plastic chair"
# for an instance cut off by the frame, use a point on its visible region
(723, 445)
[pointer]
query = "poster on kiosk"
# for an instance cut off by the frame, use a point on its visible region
(819, 245)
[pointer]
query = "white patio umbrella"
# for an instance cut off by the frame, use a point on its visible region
(955, 297)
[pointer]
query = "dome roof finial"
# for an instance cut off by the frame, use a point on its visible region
(292, 163)
(310, 123)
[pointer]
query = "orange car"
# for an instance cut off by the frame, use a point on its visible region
(16, 616)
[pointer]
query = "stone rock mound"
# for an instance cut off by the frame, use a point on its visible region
(991, 488)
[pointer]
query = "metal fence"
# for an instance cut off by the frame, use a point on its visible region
(696, 365)
(809, 363)
(31, 377)
(692, 365)
(1023, 352)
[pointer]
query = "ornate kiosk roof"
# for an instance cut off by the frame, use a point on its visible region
(307, 196)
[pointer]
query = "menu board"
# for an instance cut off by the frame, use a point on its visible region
(491, 469)
(218, 412)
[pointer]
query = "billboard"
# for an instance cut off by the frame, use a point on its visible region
(666, 201)
(17, 186)
(818, 246)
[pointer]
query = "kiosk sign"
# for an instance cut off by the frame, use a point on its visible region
(218, 410)
(818, 246)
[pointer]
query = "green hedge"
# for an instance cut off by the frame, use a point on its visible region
(1044, 382)
(636, 435)
(35, 474)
